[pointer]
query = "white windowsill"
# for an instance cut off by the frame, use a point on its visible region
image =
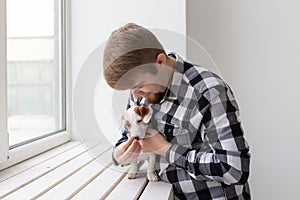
(70, 171)
(24, 152)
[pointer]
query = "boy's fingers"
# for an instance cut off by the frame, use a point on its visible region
(151, 132)
(131, 153)
(127, 144)
(133, 147)
(123, 147)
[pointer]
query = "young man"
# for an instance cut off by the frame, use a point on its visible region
(195, 129)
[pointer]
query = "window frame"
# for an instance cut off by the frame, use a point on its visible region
(4, 146)
(31, 148)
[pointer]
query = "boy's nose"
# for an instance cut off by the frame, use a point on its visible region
(136, 93)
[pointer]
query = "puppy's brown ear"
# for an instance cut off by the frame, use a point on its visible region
(145, 112)
(141, 110)
(126, 122)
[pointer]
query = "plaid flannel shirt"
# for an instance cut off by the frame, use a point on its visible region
(209, 157)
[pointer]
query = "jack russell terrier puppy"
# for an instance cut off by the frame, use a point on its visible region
(137, 119)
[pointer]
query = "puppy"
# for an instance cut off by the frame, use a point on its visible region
(137, 119)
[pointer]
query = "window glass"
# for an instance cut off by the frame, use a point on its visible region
(34, 69)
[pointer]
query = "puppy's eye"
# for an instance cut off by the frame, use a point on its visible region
(139, 121)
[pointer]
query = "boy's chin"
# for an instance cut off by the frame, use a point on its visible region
(155, 98)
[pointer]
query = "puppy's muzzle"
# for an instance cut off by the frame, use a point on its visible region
(137, 137)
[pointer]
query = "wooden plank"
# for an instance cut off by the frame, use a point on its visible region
(129, 188)
(157, 190)
(49, 180)
(73, 172)
(10, 185)
(102, 185)
(72, 185)
(25, 165)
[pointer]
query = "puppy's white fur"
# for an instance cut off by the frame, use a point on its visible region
(137, 119)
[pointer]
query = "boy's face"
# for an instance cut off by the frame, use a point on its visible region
(152, 92)
(152, 86)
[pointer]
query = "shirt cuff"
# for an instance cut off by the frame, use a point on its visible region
(176, 155)
(114, 160)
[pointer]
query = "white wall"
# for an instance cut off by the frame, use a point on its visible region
(92, 21)
(256, 45)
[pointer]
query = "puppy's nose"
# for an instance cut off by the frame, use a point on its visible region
(137, 137)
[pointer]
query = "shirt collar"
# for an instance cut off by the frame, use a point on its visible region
(173, 87)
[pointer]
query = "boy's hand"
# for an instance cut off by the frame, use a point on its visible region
(155, 142)
(127, 152)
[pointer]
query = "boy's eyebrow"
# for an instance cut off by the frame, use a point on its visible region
(137, 85)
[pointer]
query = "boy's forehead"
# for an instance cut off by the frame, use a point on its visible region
(138, 76)
(135, 81)
(138, 85)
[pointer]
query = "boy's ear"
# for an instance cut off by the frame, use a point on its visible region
(161, 59)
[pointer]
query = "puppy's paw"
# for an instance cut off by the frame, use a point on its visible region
(151, 176)
(131, 175)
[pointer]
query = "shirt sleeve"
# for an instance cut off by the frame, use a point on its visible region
(224, 153)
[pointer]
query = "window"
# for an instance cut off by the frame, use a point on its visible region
(3, 121)
(34, 71)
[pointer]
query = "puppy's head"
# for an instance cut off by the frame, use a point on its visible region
(137, 119)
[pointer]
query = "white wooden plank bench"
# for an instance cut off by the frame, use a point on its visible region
(71, 172)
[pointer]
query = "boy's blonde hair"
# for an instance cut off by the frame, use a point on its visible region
(129, 47)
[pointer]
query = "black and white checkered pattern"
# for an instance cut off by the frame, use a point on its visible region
(209, 157)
